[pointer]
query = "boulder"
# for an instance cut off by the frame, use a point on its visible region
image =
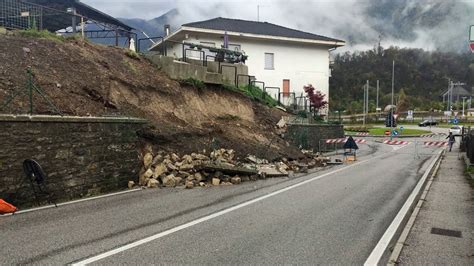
(236, 180)
(171, 167)
(186, 167)
(169, 181)
(187, 159)
(198, 177)
(201, 157)
(148, 173)
(131, 184)
(159, 170)
(158, 159)
(174, 157)
(245, 178)
(178, 180)
(218, 174)
(152, 183)
(147, 160)
(202, 184)
(216, 181)
(189, 184)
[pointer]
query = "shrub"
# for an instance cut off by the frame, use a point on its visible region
(43, 34)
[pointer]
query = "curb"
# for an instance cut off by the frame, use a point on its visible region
(398, 223)
(397, 249)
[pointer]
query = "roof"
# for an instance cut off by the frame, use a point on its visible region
(255, 27)
(62, 19)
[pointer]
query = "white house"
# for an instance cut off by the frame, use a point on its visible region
(279, 56)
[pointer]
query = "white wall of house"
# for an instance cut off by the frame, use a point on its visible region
(298, 62)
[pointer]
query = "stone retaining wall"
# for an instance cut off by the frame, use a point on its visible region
(308, 136)
(82, 156)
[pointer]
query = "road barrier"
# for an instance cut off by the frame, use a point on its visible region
(343, 140)
(436, 143)
(362, 134)
(395, 142)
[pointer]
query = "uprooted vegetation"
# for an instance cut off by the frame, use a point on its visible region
(86, 79)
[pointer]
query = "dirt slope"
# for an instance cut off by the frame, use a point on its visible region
(86, 79)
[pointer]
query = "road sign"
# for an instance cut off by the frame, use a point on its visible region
(456, 113)
(394, 133)
(455, 120)
(401, 129)
(410, 115)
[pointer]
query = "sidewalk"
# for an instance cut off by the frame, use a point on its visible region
(443, 232)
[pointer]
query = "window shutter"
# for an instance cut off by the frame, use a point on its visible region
(269, 61)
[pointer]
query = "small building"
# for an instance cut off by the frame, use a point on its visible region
(279, 56)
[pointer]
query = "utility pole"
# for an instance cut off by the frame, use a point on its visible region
(367, 101)
(463, 99)
(363, 111)
(258, 13)
(377, 101)
(392, 119)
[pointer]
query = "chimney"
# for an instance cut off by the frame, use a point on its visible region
(167, 29)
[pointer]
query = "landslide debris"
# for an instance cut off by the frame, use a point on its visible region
(83, 78)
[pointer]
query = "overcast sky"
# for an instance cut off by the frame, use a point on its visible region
(428, 24)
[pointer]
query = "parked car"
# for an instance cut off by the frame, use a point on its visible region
(426, 123)
(456, 130)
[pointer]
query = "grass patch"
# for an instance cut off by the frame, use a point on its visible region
(198, 84)
(380, 131)
(130, 66)
(255, 93)
(42, 34)
(132, 54)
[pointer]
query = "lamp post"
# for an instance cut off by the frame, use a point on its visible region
(391, 109)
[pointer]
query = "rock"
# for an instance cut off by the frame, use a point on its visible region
(235, 180)
(304, 169)
(281, 123)
(183, 174)
(187, 159)
(158, 159)
(186, 167)
(202, 184)
(171, 167)
(152, 183)
(174, 157)
(226, 184)
(201, 157)
(216, 181)
(131, 184)
(159, 170)
(169, 181)
(26, 50)
(245, 178)
(253, 177)
(190, 178)
(189, 184)
(147, 160)
(148, 173)
(198, 177)
(178, 180)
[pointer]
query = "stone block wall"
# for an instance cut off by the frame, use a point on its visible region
(82, 156)
(308, 136)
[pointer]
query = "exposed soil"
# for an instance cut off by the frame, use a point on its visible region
(87, 79)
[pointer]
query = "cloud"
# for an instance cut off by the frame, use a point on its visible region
(429, 24)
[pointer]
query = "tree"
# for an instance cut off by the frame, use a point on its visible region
(403, 105)
(316, 99)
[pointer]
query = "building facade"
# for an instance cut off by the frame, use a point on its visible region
(278, 56)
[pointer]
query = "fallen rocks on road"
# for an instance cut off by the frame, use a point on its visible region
(219, 168)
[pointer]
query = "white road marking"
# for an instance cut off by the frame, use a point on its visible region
(211, 216)
(387, 237)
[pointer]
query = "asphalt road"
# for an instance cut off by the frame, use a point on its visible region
(337, 218)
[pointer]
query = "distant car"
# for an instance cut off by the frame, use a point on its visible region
(456, 130)
(426, 123)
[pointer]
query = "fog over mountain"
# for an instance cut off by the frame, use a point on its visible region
(428, 24)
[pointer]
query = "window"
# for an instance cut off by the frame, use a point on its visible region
(269, 61)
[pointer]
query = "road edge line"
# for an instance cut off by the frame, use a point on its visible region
(71, 202)
(397, 250)
(401, 217)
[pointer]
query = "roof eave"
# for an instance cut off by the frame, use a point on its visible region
(335, 43)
